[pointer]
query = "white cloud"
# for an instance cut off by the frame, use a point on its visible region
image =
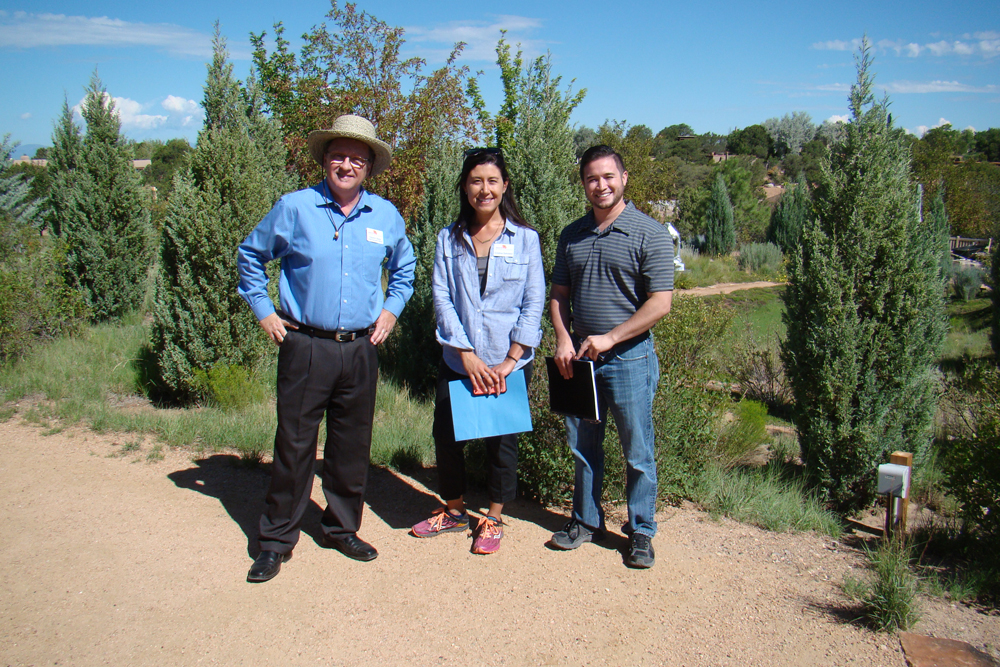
(921, 130)
(180, 105)
(23, 31)
(25, 116)
(480, 37)
(985, 44)
(969, 127)
(837, 45)
(837, 118)
(136, 116)
(902, 87)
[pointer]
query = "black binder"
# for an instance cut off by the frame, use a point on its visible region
(576, 397)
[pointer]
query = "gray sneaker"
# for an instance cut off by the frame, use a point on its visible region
(640, 551)
(573, 535)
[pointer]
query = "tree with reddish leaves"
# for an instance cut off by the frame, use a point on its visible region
(354, 66)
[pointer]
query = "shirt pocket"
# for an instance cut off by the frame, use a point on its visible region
(513, 268)
(373, 256)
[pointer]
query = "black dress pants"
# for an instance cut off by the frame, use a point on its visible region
(317, 376)
(501, 450)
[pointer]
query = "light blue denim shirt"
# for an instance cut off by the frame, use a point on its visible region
(510, 309)
(329, 283)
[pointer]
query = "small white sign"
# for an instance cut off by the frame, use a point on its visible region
(503, 250)
(374, 235)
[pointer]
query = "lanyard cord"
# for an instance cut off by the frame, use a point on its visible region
(329, 212)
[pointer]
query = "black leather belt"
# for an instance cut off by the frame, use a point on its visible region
(339, 336)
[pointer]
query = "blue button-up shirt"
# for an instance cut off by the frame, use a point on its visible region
(510, 309)
(329, 283)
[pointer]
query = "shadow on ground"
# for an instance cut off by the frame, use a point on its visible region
(241, 489)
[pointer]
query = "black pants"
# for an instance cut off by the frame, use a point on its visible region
(501, 450)
(317, 376)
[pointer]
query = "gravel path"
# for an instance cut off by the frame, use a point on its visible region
(114, 559)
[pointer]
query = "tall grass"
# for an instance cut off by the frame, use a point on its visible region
(888, 595)
(765, 497)
(97, 379)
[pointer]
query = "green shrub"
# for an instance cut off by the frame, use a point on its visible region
(760, 257)
(230, 386)
(35, 300)
(972, 458)
(685, 415)
(967, 281)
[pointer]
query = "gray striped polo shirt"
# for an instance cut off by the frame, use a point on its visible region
(610, 273)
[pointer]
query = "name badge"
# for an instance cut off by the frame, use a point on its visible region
(374, 235)
(503, 250)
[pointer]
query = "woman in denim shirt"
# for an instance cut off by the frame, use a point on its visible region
(489, 291)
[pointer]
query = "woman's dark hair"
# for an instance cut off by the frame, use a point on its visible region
(508, 203)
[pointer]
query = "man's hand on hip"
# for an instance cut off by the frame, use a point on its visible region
(383, 327)
(276, 328)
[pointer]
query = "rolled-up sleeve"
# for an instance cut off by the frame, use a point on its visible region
(400, 267)
(528, 328)
(450, 330)
(266, 242)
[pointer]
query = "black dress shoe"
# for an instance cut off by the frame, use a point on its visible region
(351, 546)
(267, 566)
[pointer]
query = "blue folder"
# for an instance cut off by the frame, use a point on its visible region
(491, 414)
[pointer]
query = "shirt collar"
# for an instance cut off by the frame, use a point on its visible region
(324, 200)
(619, 225)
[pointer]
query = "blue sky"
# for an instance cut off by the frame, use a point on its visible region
(712, 65)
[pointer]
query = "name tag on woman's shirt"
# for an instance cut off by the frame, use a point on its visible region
(503, 250)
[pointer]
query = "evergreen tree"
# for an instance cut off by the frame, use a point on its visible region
(413, 352)
(864, 309)
(15, 193)
(99, 209)
(63, 160)
(789, 217)
(720, 231)
(533, 130)
(940, 231)
(237, 173)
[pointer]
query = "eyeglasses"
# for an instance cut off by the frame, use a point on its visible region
(491, 150)
(338, 158)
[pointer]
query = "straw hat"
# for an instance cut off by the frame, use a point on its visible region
(352, 127)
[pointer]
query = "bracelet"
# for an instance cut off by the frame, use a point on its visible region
(513, 359)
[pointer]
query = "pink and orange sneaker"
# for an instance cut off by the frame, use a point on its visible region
(487, 536)
(441, 521)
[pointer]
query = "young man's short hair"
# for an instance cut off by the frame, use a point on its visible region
(596, 153)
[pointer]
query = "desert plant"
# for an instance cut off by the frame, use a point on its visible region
(760, 257)
(967, 282)
(757, 369)
(741, 434)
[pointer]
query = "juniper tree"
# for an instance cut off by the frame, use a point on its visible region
(720, 230)
(413, 352)
(789, 216)
(236, 174)
(532, 128)
(940, 231)
(864, 309)
(99, 209)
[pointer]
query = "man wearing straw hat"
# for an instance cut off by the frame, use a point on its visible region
(334, 240)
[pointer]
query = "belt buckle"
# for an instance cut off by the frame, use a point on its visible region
(344, 337)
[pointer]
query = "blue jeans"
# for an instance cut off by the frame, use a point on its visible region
(626, 384)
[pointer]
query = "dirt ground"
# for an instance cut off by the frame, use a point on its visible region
(111, 558)
(724, 288)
